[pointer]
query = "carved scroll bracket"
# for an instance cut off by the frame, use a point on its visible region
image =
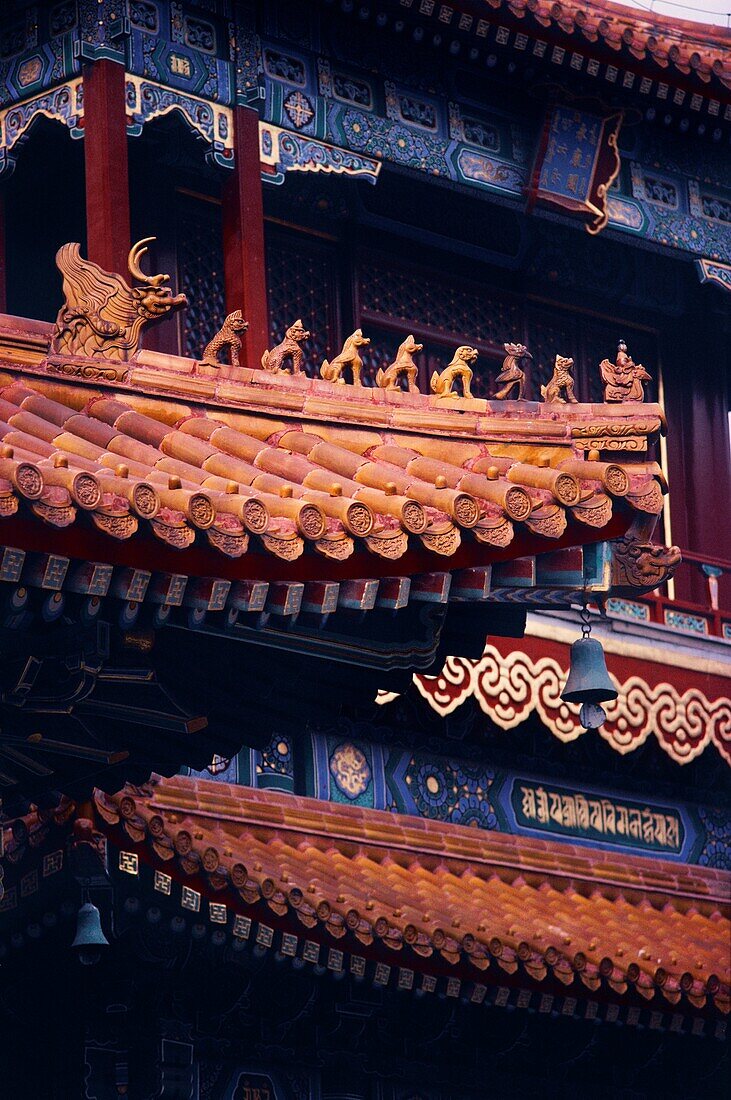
(64, 104)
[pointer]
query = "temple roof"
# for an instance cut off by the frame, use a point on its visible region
(414, 893)
(144, 489)
(690, 47)
(255, 461)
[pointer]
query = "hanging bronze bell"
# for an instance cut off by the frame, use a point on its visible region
(90, 939)
(588, 680)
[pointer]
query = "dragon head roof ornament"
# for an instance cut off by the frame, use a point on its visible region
(103, 317)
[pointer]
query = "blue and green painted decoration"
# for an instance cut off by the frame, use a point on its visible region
(350, 769)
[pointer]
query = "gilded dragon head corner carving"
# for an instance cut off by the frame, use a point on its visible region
(103, 317)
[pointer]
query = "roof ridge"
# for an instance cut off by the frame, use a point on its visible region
(557, 859)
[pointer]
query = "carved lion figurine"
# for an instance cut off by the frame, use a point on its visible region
(228, 336)
(289, 348)
(460, 367)
(348, 357)
(561, 379)
(404, 365)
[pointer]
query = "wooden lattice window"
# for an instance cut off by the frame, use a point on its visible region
(443, 311)
(302, 283)
(548, 332)
(200, 271)
(435, 302)
(440, 311)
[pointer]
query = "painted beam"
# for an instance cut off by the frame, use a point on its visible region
(284, 598)
(471, 584)
(168, 589)
(207, 594)
(519, 573)
(393, 593)
(561, 567)
(358, 595)
(11, 564)
(130, 584)
(321, 597)
(46, 571)
(90, 578)
(431, 587)
(249, 595)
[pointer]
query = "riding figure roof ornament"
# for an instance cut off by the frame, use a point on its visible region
(623, 380)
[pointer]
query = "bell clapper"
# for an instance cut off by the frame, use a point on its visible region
(592, 716)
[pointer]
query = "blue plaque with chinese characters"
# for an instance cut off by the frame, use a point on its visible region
(577, 161)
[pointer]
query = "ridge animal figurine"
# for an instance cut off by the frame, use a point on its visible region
(460, 367)
(512, 373)
(404, 365)
(561, 379)
(623, 379)
(228, 336)
(102, 316)
(288, 349)
(348, 357)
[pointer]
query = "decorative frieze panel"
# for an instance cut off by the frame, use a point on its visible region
(656, 188)
(281, 150)
(710, 204)
(284, 151)
(320, 91)
(359, 765)
(37, 50)
(711, 272)
(685, 622)
(64, 104)
(147, 100)
(144, 16)
(352, 90)
(510, 686)
(632, 610)
(489, 172)
(555, 809)
(285, 67)
(181, 45)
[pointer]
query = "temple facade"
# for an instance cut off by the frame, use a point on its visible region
(357, 362)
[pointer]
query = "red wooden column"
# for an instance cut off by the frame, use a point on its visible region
(243, 236)
(105, 161)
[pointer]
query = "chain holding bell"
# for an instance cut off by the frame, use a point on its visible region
(588, 681)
